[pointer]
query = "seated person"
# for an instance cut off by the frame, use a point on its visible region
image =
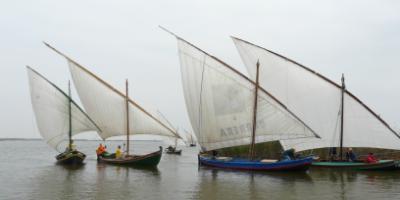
(170, 148)
(371, 158)
(288, 155)
(350, 156)
(100, 150)
(332, 154)
(70, 148)
(118, 152)
(214, 154)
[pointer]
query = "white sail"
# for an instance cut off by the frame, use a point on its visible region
(51, 105)
(317, 101)
(106, 105)
(220, 102)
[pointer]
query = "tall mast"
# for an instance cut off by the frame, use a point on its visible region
(69, 116)
(127, 117)
(253, 135)
(341, 119)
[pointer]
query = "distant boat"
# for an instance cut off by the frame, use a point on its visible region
(338, 116)
(227, 109)
(172, 149)
(58, 117)
(190, 140)
(116, 114)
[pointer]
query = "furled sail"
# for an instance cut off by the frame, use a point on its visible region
(220, 101)
(317, 101)
(50, 105)
(106, 105)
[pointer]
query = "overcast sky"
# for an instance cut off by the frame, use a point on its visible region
(121, 39)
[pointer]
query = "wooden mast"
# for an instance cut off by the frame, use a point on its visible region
(127, 116)
(253, 135)
(341, 120)
(69, 116)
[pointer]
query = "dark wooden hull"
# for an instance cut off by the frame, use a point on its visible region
(176, 152)
(381, 165)
(148, 160)
(71, 158)
(244, 164)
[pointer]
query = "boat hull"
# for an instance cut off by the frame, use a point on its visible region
(71, 158)
(192, 145)
(242, 164)
(381, 165)
(148, 160)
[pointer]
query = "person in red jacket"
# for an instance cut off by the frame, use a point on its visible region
(371, 158)
(100, 150)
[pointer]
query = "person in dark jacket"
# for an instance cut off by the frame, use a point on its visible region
(350, 156)
(288, 155)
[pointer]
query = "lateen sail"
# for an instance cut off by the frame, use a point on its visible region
(106, 106)
(220, 100)
(50, 105)
(317, 101)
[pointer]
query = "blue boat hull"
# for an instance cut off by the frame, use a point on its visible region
(243, 164)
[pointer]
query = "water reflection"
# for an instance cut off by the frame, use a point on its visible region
(228, 184)
(177, 177)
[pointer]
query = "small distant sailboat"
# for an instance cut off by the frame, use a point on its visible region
(58, 117)
(227, 109)
(172, 149)
(338, 116)
(190, 140)
(115, 112)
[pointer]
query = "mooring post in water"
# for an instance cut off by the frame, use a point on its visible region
(253, 135)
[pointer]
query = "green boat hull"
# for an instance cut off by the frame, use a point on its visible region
(71, 158)
(148, 160)
(381, 165)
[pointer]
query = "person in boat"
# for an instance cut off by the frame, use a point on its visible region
(332, 154)
(100, 150)
(214, 154)
(73, 147)
(118, 152)
(289, 154)
(350, 155)
(371, 158)
(170, 148)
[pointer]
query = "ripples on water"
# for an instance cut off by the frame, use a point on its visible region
(28, 171)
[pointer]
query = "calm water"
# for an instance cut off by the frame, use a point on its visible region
(28, 171)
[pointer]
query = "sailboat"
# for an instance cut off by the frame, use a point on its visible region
(58, 117)
(337, 115)
(116, 114)
(172, 149)
(191, 141)
(227, 109)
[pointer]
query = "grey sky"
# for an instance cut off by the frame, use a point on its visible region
(120, 39)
